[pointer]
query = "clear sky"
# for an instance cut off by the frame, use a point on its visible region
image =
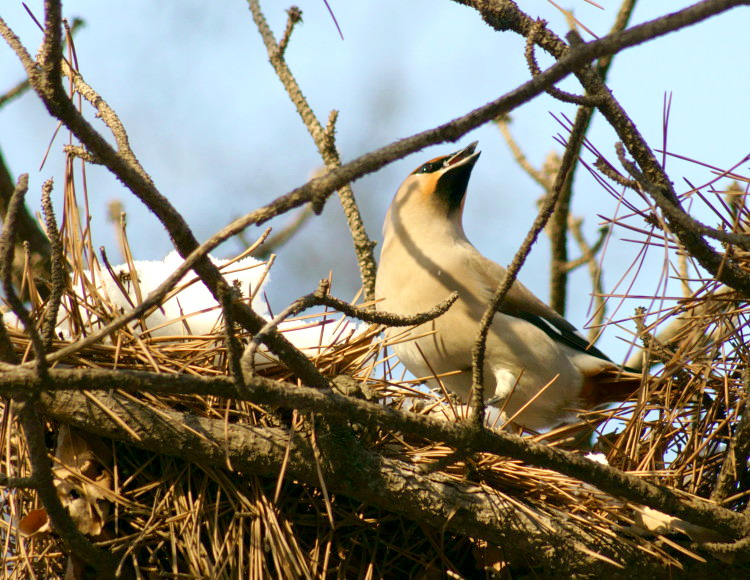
(213, 126)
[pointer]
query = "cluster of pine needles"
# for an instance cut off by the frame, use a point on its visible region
(169, 518)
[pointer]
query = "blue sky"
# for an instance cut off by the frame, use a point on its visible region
(213, 126)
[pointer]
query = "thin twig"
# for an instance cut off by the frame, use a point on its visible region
(607, 170)
(24, 85)
(7, 251)
(588, 253)
(559, 222)
(280, 237)
(519, 156)
(15, 92)
(321, 297)
(560, 95)
(28, 229)
(58, 274)
(324, 139)
(294, 17)
(478, 352)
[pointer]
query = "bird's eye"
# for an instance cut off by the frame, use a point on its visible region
(430, 166)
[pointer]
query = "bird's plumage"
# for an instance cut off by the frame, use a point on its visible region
(426, 256)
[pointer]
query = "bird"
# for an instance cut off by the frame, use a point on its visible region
(538, 368)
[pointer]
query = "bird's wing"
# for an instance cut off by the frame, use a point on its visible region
(521, 303)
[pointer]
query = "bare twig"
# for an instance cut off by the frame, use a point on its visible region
(324, 139)
(560, 95)
(15, 92)
(58, 274)
(588, 253)
(81, 153)
(28, 229)
(321, 297)
(519, 156)
(607, 170)
(280, 237)
(559, 223)
(7, 250)
(478, 352)
(295, 16)
(22, 86)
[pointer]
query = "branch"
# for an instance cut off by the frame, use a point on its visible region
(336, 407)
(507, 16)
(281, 236)
(321, 297)
(581, 100)
(542, 177)
(14, 92)
(27, 227)
(559, 223)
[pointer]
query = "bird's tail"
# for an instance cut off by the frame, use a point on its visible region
(611, 385)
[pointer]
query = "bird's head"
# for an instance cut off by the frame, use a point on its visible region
(438, 187)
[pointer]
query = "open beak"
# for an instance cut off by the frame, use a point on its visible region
(454, 179)
(464, 155)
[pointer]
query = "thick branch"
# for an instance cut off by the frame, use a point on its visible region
(338, 407)
(347, 468)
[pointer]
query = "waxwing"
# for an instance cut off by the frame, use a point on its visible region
(426, 256)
